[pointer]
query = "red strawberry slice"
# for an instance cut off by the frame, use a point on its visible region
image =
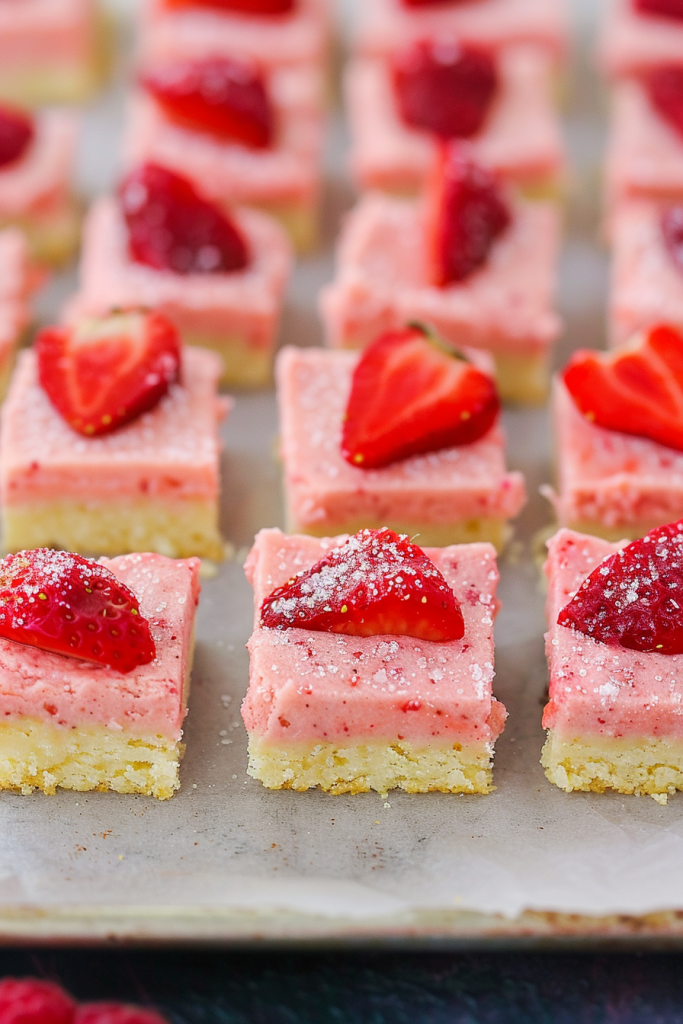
(68, 604)
(115, 1013)
(376, 584)
(172, 227)
(240, 6)
(410, 394)
(30, 1001)
(637, 389)
(104, 373)
(17, 132)
(634, 599)
(664, 86)
(220, 95)
(672, 232)
(664, 8)
(445, 87)
(466, 214)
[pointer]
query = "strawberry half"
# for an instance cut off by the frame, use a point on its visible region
(411, 394)
(466, 214)
(637, 389)
(634, 598)
(104, 373)
(68, 604)
(240, 6)
(17, 132)
(376, 584)
(32, 1001)
(664, 8)
(445, 87)
(672, 232)
(220, 95)
(172, 227)
(664, 86)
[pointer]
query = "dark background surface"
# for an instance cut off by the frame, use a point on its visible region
(275, 987)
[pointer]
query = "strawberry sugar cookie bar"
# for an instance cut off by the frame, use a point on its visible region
(95, 661)
(405, 435)
(639, 35)
(371, 664)
(615, 650)
(129, 465)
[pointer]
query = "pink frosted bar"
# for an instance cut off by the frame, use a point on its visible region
(316, 687)
(289, 172)
(325, 493)
(40, 182)
(597, 690)
(381, 281)
(631, 42)
(646, 287)
(42, 33)
(73, 694)
(610, 483)
(189, 34)
(521, 139)
(17, 281)
(645, 153)
(386, 25)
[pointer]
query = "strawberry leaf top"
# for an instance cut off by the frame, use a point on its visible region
(637, 389)
(377, 583)
(67, 604)
(17, 132)
(412, 394)
(634, 599)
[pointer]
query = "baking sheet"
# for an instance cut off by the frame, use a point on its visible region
(228, 860)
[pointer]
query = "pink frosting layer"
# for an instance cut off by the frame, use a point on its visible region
(646, 287)
(289, 172)
(147, 701)
(41, 180)
(324, 490)
(307, 687)
(596, 689)
(520, 140)
(172, 451)
(609, 478)
(46, 31)
(382, 281)
(244, 304)
(17, 281)
(645, 153)
(631, 42)
(274, 41)
(385, 25)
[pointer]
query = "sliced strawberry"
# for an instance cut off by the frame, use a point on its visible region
(636, 390)
(17, 132)
(672, 232)
(30, 1001)
(104, 373)
(172, 227)
(466, 214)
(634, 598)
(664, 8)
(664, 86)
(445, 87)
(68, 604)
(221, 95)
(375, 584)
(241, 6)
(116, 1013)
(411, 393)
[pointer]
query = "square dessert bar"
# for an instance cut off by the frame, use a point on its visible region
(506, 307)
(646, 286)
(152, 485)
(36, 190)
(614, 716)
(350, 714)
(235, 314)
(455, 495)
(645, 154)
(18, 279)
(631, 42)
(284, 180)
(520, 140)
(611, 484)
(49, 51)
(195, 32)
(387, 25)
(69, 723)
